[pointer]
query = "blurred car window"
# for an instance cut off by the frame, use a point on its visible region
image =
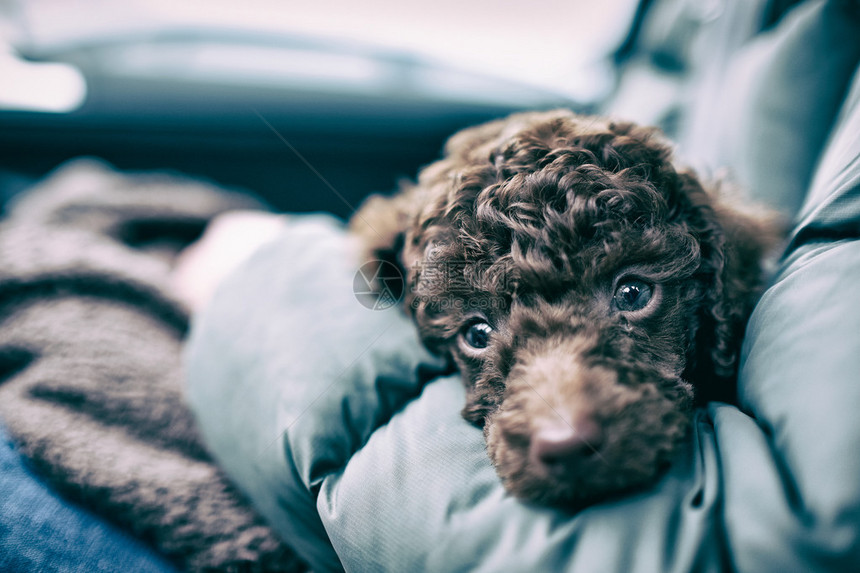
(554, 46)
(289, 100)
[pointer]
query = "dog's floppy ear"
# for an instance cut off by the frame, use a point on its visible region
(381, 224)
(735, 242)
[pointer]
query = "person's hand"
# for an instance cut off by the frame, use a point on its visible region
(228, 240)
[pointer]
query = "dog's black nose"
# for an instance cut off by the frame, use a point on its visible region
(561, 443)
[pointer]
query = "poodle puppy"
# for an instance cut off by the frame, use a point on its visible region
(590, 292)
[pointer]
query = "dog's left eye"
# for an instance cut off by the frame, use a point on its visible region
(477, 334)
(632, 295)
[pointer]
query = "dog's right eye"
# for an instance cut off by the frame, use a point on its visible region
(477, 334)
(632, 295)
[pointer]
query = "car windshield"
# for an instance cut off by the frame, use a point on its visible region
(557, 46)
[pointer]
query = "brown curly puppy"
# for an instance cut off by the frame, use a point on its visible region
(587, 289)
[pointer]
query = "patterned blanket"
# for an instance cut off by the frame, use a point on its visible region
(90, 370)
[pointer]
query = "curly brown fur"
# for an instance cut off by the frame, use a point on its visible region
(548, 231)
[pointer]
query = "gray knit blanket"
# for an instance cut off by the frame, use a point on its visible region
(90, 371)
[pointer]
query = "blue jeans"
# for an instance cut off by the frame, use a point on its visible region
(40, 531)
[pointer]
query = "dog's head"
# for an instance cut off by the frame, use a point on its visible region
(588, 291)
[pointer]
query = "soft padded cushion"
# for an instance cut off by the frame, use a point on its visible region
(800, 381)
(768, 115)
(793, 504)
(289, 375)
(832, 206)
